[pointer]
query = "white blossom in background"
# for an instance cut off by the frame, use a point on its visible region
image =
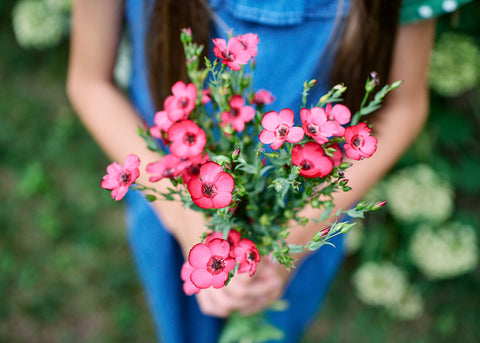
(380, 284)
(454, 64)
(40, 24)
(418, 194)
(409, 307)
(123, 65)
(444, 252)
(60, 5)
(353, 238)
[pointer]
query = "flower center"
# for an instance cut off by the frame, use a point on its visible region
(209, 190)
(251, 256)
(194, 169)
(282, 130)
(357, 141)
(228, 56)
(306, 165)
(313, 129)
(183, 102)
(234, 112)
(168, 172)
(189, 138)
(125, 177)
(215, 265)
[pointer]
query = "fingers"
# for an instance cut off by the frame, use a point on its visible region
(244, 294)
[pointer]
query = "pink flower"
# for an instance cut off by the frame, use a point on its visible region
(247, 256)
(212, 187)
(337, 154)
(312, 160)
(211, 263)
(192, 166)
(316, 125)
(119, 178)
(188, 287)
(359, 144)
(263, 97)
(278, 128)
(239, 114)
(162, 123)
(232, 54)
(187, 139)
(206, 96)
(233, 237)
(338, 115)
(249, 42)
(169, 166)
(182, 102)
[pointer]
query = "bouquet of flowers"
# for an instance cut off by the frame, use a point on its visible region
(250, 173)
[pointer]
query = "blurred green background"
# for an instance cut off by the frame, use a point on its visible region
(66, 274)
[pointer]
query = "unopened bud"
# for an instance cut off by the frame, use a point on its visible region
(318, 236)
(312, 83)
(235, 153)
(343, 182)
(379, 205)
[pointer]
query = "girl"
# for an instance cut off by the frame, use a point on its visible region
(299, 40)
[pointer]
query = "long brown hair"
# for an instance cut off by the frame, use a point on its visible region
(365, 44)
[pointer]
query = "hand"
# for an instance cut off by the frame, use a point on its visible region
(244, 294)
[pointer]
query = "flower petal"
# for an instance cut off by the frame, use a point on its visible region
(341, 113)
(286, 116)
(222, 199)
(218, 280)
(270, 120)
(295, 135)
(201, 278)
(199, 256)
(219, 247)
(267, 136)
(209, 171)
(224, 182)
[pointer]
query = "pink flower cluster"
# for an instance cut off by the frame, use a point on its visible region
(210, 263)
(237, 51)
(320, 125)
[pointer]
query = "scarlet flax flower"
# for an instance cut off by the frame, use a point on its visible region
(249, 42)
(316, 125)
(263, 97)
(188, 287)
(187, 138)
(233, 54)
(169, 166)
(359, 144)
(119, 178)
(312, 160)
(182, 102)
(338, 115)
(247, 256)
(211, 263)
(278, 128)
(162, 123)
(192, 166)
(239, 114)
(212, 187)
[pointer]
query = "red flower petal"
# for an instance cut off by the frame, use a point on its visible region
(199, 256)
(270, 120)
(295, 135)
(222, 199)
(286, 116)
(209, 171)
(219, 247)
(201, 278)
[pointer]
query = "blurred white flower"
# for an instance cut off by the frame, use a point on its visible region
(60, 5)
(444, 252)
(123, 65)
(36, 25)
(380, 284)
(455, 64)
(417, 193)
(353, 239)
(409, 307)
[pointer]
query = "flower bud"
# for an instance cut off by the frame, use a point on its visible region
(318, 236)
(379, 205)
(264, 220)
(288, 214)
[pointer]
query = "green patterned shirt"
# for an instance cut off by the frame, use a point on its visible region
(416, 10)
